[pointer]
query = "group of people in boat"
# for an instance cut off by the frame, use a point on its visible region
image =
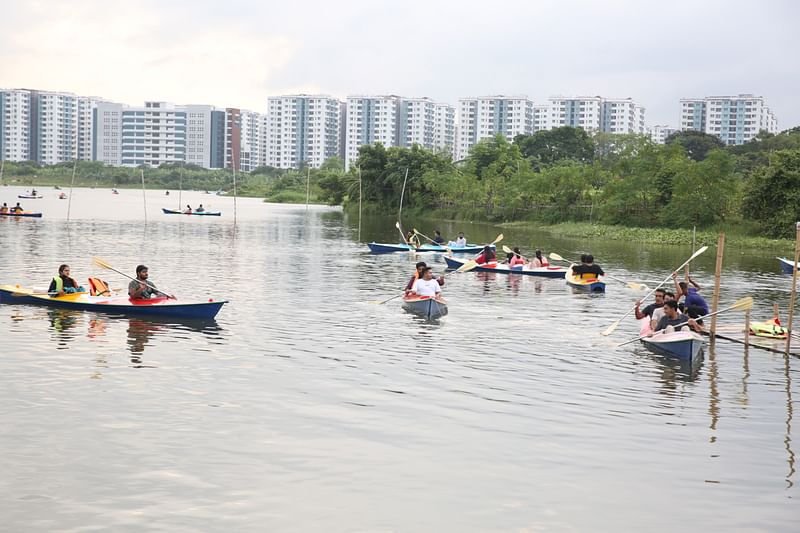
(188, 209)
(138, 289)
(587, 268)
(412, 239)
(422, 282)
(514, 259)
(668, 311)
(16, 209)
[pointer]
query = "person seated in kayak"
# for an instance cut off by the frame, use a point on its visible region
(658, 312)
(486, 256)
(650, 309)
(200, 209)
(142, 289)
(17, 209)
(539, 260)
(426, 285)
(587, 269)
(460, 242)
(411, 239)
(695, 305)
(188, 210)
(515, 259)
(63, 284)
(4, 208)
(674, 320)
(417, 274)
(437, 237)
(33, 192)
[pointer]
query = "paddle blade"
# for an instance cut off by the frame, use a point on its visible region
(102, 264)
(397, 224)
(466, 267)
(555, 257)
(743, 305)
(610, 329)
(507, 250)
(498, 239)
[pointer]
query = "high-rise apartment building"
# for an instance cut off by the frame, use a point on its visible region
(596, 114)
(734, 119)
(658, 134)
(486, 116)
(302, 130)
(541, 118)
(622, 116)
(245, 137)
(15, 122)
(444, 128)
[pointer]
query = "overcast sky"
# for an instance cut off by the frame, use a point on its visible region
(237, 52)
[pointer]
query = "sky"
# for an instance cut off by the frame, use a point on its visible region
(236, 53)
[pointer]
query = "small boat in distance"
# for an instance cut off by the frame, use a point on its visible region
(22, 214)
(205, 213)
(62, 196)
(383, 248)
(544, 272)
(30, 196)
(114, 191)
(593, 284)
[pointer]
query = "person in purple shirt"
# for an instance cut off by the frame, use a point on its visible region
(696, 305)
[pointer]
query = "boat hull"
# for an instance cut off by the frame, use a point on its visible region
(544, 272)
(786, 265)
(29, 215)
(29, 197)
(428, 308)
(203, 213)
(588, 285)
(164, 307)
(683, 345)
(387, 248)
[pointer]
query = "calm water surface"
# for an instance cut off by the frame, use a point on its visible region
(308, 407)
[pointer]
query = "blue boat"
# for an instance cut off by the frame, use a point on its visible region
(206, 213)
(683, 344)
(543, 272)
(384, 248)
(23, 214)
(786, 265)
(81, 301)
(425, 306)
(589, 285)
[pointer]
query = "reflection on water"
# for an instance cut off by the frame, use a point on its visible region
(62, 321)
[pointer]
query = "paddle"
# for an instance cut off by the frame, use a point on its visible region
(431, 240)
(741, 305)
(102, 264)
(508, 250)
(495, 241)
(403, 236)
(466, 267)
(613, 326)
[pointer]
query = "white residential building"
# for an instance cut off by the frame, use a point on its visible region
(302, 129)
(370, 120)
(541, 118)
(444, 128)
(734, 119)
(486, 116)
(622, 116)
(198, 135)
(658, 134)
(15, 121)
(578, 112)
(416, 122)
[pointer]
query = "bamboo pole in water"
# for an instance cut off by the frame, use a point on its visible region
(233, 156)
(717, 279)
(789, 325)
(71, 186)
(144, 197)
(747, 329)
(180, 187)
(359, 203)
(402, 192)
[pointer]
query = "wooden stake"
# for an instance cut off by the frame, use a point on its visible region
(717, 279)
(775, 313)
(794, 288)
(746, 329)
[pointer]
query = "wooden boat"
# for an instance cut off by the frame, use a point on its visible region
(683, 344)
(425, 306)
(544, 272)
(82, 301)
(30, 196)
(786, 265)
(384, 248)
(206, 213)
(23, 214)
(585, 284)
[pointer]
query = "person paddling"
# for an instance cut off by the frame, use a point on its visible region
(695, 304)
(587, 269)
(142, 289)
(486, 256)
(673, 320)
(200, 209)
(539, 260)
(63, 284)
(4, 208)
(437, 237)
(188, 210)
(418, 274)
(17, 209)
(515, 259)
(426, 285)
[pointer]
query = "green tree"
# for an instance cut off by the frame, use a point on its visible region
(772, 194)
(696, 143)
(550, 146)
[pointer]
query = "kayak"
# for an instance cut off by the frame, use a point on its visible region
(62, 196)
(383, 248)
(425, 306)
(22, 214)
(590, 284)
(770, 329)
(82, 301)
(786, 265)
(682, 344)
(544, 272)
(206, 213)
(30, 196)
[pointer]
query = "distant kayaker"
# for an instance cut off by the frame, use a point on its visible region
(461, 241)
(4, 208)
(437, 237)
(142, 289)
(417, 274)
(426, 285)
(412, 239)
(674, 319)
(587, 268)
(695, 304)
(63, 284)
(166, 193)
(486, 256)
(539, 260)
(17, 209)
(200, 209)
(515, 258)
(188, 210)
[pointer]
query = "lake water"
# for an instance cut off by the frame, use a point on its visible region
(306, 406)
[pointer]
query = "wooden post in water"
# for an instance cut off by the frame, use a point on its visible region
(71, 186)
(717, 279)
(233, 164)
(789, 325)
(359, 203)
(144, 198)
(747, 329)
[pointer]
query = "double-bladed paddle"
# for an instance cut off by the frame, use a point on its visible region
(742, 304)
(102, 264)
(612, 327)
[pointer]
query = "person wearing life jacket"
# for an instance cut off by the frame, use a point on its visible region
(486, 256)
(188, 210)
(417, 274)
(437, 237)
(17, 209)
(63, 284)
(515, 259)
(426, 285)
(4, 208)
(587, 269)
(539, 260)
